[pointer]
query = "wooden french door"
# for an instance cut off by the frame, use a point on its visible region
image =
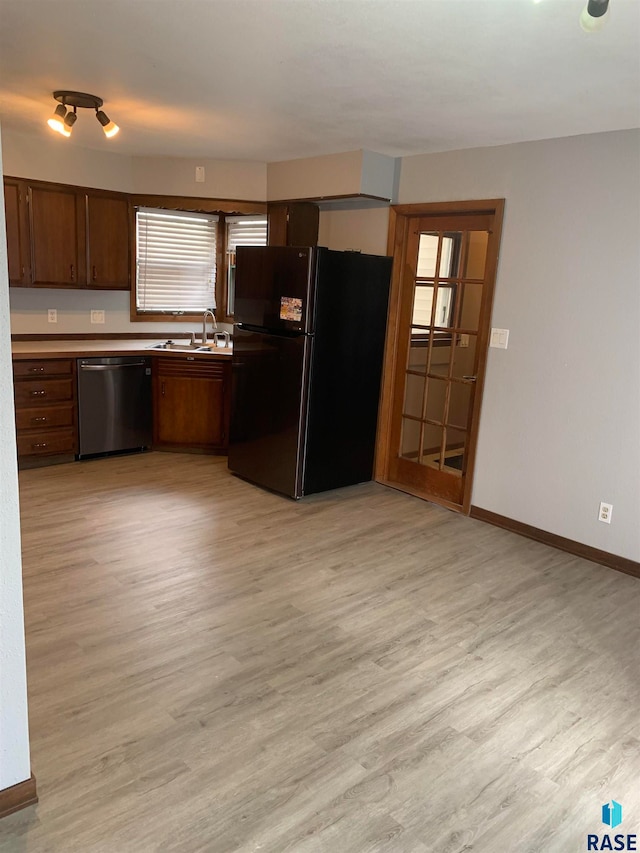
(445, 259)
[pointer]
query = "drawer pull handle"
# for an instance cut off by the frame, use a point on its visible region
(40, 446)
(73, 273)
(94, 273)
(38, 420)
(36, 370)
(38, 393)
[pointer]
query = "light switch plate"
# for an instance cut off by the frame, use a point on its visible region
(97, 316)
(499, 338)
(200, 174)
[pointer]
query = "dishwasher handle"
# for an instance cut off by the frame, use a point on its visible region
(112, 366)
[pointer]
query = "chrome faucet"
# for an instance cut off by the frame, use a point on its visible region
(208, 313)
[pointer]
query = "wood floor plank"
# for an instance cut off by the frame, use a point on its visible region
(216, 668)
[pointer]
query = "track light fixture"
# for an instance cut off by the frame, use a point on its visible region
(63, 121)
(594, 15)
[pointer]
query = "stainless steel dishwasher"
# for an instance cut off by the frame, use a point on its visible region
(114, 404)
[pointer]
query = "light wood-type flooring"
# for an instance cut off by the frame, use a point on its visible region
(216, 668)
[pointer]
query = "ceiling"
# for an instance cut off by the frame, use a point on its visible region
(274, 80)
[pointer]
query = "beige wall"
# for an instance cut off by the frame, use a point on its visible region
(561, 410)
(364, 230)
(349, 173)
(312, 177)
(236, 179)
(50, 158)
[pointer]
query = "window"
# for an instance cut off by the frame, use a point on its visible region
(241, 231)
(176, 261)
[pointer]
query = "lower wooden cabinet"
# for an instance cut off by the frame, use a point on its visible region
(191, 404)
(46, 410)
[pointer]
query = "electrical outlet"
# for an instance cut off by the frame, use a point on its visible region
(52, 315)
(463, 340)
(605, 513)
(97, 316)
(200, 174)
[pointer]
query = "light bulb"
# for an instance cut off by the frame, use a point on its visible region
(56, 122)
(110, 127)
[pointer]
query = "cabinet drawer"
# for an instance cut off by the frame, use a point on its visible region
(29, 394)
(46, 367)
(46, 442)
(44, 417)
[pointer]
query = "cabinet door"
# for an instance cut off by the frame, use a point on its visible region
(57, 235)
(190, 411)
(107, 242)
(293, 224)
(191, 406)
(15, 207)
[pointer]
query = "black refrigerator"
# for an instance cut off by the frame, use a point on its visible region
(308, 347)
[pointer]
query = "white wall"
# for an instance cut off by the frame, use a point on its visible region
(14, 730)
(560, 423)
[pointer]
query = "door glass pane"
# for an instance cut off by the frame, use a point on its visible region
(440, 357)
(469, 299)
(455, 449)
(436, 390)
(423, 305)
(464, 355)
(413, 394)
(475, 255)
(428, 255)
(418, 358)
(431, 445)
(444, 305)
(459, 404)
(410, 441)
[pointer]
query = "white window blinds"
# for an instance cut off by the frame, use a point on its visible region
(176, 261)
(246, 231)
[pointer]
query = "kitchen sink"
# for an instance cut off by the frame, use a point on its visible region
(170, 345)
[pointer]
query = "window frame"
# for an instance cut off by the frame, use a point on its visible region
(220, 207)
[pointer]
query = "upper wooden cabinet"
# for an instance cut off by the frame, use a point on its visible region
(292, 223)
(57, 236)
(107, 241)
(17, 218)
(65, 236)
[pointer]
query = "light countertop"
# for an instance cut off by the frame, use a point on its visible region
(90, 348)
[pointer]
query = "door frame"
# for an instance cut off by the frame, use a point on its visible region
(399, 223)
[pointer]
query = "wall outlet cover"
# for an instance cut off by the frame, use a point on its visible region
(499, 338)
(97, 316)
(52, 315)
(200, 174)
(605, 512)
